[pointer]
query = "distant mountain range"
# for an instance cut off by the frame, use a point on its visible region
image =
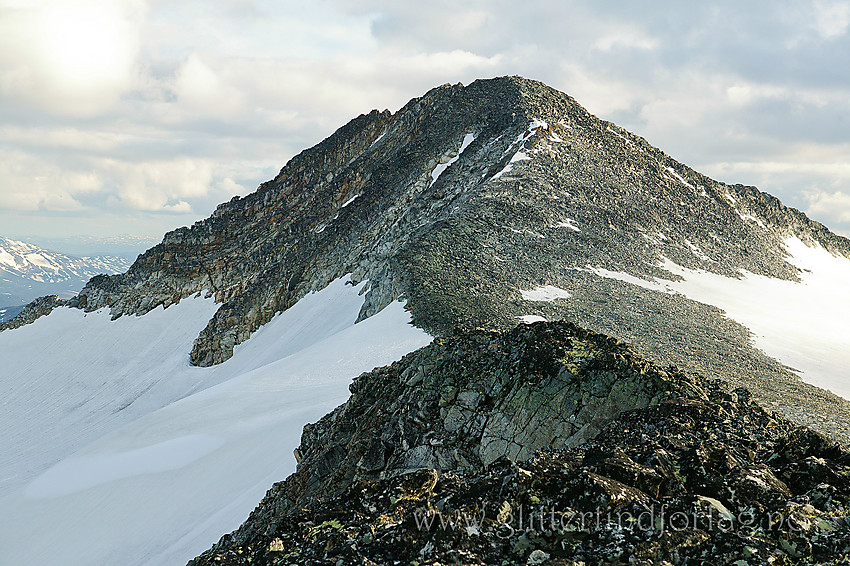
(28, 271)
(122, 245)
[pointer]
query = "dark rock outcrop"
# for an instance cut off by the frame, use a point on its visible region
(38, 308)
(464, 402)
(549, 445)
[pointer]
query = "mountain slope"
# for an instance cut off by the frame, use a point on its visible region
(375, 198)
(126, 454)
(470, 198)
(28, 271)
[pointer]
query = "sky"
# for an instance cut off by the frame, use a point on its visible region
(140, 116)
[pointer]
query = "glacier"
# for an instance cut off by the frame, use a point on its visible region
(117, 450)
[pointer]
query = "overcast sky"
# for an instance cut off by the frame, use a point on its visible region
(139, 116)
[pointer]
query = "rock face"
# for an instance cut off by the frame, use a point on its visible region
(464, 402)
(465, 198)
(33, 311)
(434, 460)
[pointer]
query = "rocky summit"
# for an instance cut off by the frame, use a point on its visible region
(465, 198)
(550, 445)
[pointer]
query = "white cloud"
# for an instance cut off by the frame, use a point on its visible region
(804, 169)
(201, 90)
(625, 38)
(159, 186)
(742, 94)
(688, 101)
(333, 90)
(31, 184)
(600, 95)
(230, 187)
(69, 58)
(831, 209)
(257, 28)
(831, 18)
(177, 185)
(63, 138)
(823, 164)
(833, 206)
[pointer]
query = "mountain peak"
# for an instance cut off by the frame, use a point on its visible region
(467, 201)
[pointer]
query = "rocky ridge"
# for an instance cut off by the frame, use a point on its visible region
(549, 444)
(466, 197)
(33, 311)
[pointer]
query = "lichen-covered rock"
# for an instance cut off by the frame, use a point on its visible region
(465, 402)
(677, 470)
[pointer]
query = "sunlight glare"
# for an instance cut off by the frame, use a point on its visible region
(87, 44)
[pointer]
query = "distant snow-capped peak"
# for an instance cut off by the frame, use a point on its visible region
(32, 262)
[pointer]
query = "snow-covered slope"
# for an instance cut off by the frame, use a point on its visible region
(120, 452)
(28, 271)
(805, 325)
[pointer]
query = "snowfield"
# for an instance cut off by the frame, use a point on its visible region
(545, 293)
(804, 325)
(120, 452)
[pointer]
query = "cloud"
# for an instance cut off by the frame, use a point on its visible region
(200, 90)
(831, 18)
(63, 138)
(834, 207)
(628, 39)
(30, 184)
(178, 185)
(296, 95)
(162, 109)
(163, 186)
(744, 94)
(65, 58)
